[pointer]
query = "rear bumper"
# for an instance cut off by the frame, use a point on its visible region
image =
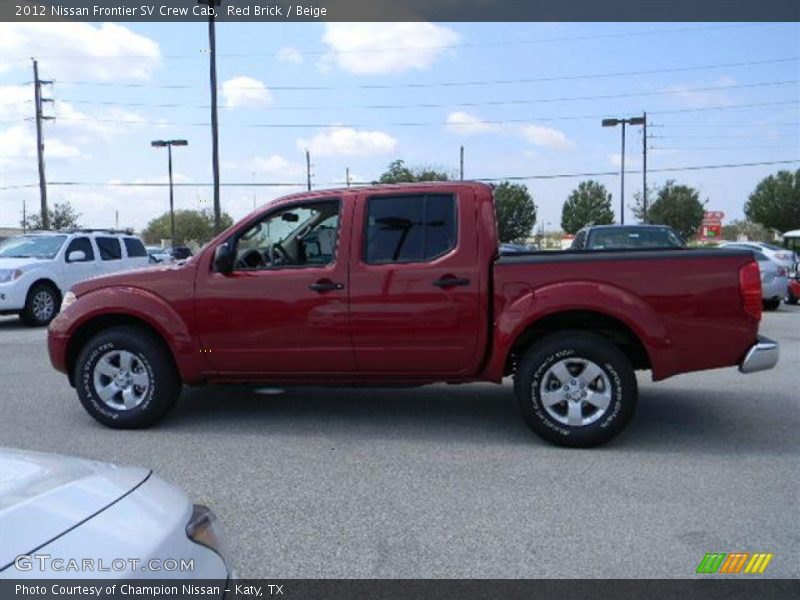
(761, 356)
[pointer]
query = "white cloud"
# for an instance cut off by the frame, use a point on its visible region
(691, 97)
(106, 52)
(245, 91)
(372, 48)
(277, 166)
(291, 55)
(346, 141)
(467, 124)
(631, 162)
(547, 137)
(18, 148)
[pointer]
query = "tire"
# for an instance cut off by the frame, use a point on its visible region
(41, 305)
(772, 304)
(125, 378)
(591, 366)
(791, 298)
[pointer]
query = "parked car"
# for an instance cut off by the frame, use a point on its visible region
(181, 252)
(158, 255)
(793, 291)
(621, 237)
(402, 285)
(781, 256)
(513, 249)
(55, 509)
(37, 269)
(774, 277)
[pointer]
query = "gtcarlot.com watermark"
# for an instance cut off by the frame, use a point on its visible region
(49, 564)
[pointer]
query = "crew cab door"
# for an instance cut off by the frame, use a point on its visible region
(75, 271)
(283, 310)
(415, 283)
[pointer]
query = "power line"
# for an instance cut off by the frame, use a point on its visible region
(452, 83)
(488, 179)
(465, 104)
(499, 43)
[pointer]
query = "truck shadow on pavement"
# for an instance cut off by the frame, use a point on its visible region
(671, 420)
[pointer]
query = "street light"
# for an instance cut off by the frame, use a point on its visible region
(169, 144)
(623, 122)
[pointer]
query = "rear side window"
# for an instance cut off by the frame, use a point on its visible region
(580, 239)
(84, 245)
(134, 247)
(416, 228)
(109, 247)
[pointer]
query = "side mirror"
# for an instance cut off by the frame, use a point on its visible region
(223, 259)
(76, 256)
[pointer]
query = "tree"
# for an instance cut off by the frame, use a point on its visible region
(775, 203)
(190, 225)
(61, 216)
(516, 211)
(675, 205)
(755, 232)
(398, 172)
(589, 203)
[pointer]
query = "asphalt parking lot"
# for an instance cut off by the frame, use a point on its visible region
(449, 482)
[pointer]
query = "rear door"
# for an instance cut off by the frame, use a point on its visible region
(110, 250)
(415, 283)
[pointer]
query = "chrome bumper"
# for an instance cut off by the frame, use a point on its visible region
(762, 355)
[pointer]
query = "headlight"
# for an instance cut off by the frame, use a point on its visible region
(69, 298)
(7, 275)
(203, 529)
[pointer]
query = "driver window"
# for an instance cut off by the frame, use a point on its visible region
(300, 235)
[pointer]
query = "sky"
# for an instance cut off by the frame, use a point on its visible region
(524, 99)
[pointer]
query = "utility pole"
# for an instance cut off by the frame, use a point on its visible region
(39, 101)
(212, 47)
(644, 167)
(24, 216)
(461, 164)
(308, 169)
(116, 220)
(347, 176)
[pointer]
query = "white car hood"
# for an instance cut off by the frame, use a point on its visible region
(44, 495)
(18, 263)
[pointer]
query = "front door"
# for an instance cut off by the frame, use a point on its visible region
(284, 308)
(76, 271)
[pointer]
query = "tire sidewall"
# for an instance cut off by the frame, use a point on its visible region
(160, 395)
(615, 366)
(28, 314)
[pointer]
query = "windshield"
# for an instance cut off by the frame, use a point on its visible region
(32, 246)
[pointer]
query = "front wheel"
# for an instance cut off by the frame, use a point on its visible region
(772, 304)
(125, 378)
(41, 305)
(576, 389)
(790, 298)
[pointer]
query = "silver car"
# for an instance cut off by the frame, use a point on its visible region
(774, 277)
(64, 517)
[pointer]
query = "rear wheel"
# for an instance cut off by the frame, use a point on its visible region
(576, 389)
(41, 305)
(790, 297)
(772, 304)
(125, 378)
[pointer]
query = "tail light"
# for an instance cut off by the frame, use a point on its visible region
(750, 289)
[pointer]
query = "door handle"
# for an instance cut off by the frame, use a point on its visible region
(325, 286)
(450, 282)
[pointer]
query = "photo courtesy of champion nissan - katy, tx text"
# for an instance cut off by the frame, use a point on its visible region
(404, 285)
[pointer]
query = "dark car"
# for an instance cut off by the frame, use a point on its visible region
(181, 252)
(622, 237)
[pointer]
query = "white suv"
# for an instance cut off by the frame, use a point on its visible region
(37, 269)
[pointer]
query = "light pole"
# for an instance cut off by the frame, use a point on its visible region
(623, 122)
(168, 144)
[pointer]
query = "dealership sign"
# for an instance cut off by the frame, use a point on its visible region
(711, 228)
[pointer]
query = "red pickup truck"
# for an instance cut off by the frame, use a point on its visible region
(404, 285)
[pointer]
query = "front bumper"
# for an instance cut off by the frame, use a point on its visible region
(761, 356)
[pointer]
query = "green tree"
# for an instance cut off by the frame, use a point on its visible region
(675, 205)
(589, 203)
(190, 225)
(516, 211)
(398, 172)
(61, 216)
(775, 203)
(755, 232)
